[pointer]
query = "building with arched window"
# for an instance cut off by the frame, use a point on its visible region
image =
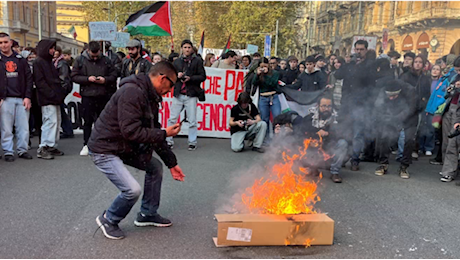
(428, 27)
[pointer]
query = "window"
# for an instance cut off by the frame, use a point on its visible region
(380, 13)
(425, 4)
(15, 11)
(409, 7)
(27, 15)
(392, 11)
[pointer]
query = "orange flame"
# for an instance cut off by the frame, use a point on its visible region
(283, 192)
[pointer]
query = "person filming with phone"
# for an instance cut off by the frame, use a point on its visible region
(246, 124)
(96, 74)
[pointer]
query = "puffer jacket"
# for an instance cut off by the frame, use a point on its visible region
(437, 98)
(49, 88)
(128, 126)
(84, 67)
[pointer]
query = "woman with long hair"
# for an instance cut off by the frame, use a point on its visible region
(267, 81)
(209, 59)
(336, 84)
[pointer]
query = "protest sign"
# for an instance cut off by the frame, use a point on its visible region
(102, 31)
(121, 40)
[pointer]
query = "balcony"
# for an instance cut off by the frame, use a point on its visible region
(433, 13)
(20, 27)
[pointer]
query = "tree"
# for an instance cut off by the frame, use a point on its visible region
(249, 20)
(206, 17)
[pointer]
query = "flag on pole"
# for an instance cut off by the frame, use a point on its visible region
(227, 47)
(200, 50)
(152, 20)
(73, 32)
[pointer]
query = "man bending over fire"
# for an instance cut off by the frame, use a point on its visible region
(321, 122)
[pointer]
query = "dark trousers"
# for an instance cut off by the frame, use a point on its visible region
(66, 124)
(388, 135)
(91, 109)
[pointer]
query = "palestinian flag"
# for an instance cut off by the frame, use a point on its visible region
(73, 32)
(153, 20)
(200, 50)
(227, 47)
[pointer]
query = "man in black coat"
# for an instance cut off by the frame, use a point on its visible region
(358, 79)
(187, 91)
(50, 94)
(128, 132)
(312, 79)
(15, 100)
(395, 109)
(95, 74)
(292, 72)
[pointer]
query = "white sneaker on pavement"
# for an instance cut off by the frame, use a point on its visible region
(84, 151)
(428, 153)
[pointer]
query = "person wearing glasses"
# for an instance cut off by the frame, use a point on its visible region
(358, 79)
(187, 91)
(96, 74)
(127, 133)
(135, 63)
(321, 122)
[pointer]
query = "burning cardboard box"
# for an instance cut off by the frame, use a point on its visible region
(282, 207)
(273, 230)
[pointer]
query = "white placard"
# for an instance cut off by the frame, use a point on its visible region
(102, 31)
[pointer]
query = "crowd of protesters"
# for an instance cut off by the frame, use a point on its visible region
(377, 105)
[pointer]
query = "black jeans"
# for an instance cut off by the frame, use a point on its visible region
(91, 109)
(388, 135)
(66, 124)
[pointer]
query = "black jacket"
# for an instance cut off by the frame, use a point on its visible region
(116, 63)
(195, 70)
(84, 67)
(401, 112)
(422, 84)
(140, 66)
(25, 78)
(309, 81)
(128, 126)
(46, 76)
(358, 80)
(289, 76)
(64, 75)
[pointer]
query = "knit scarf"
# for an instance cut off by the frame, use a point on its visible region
(320, 123)
(57, 60)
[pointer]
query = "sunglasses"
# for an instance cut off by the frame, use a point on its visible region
(170, 80)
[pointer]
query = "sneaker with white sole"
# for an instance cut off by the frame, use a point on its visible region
(192, 147)
(110, 230)
(84, 151)
(447, 178)
(428, 153)
(155, 220)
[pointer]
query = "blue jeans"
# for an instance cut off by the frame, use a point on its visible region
(340, 153)
(14, 114)
(401, 139)
(426, 133)
(51, 117)
(115, 170)
(178, 104)
(265, 107)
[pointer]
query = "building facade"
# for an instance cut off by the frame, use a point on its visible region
(428, 27)
(70, 13)
(20, 21)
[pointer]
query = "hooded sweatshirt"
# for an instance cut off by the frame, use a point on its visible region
(46, 76)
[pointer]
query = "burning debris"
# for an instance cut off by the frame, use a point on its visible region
(281, 205)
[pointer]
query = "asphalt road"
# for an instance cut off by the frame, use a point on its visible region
(48, 210)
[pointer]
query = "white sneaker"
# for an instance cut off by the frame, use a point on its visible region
(428, 153)
(84, 151)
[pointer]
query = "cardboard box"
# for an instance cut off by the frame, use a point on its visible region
(273, 230)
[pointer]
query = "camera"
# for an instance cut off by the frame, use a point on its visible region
(455, 132)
